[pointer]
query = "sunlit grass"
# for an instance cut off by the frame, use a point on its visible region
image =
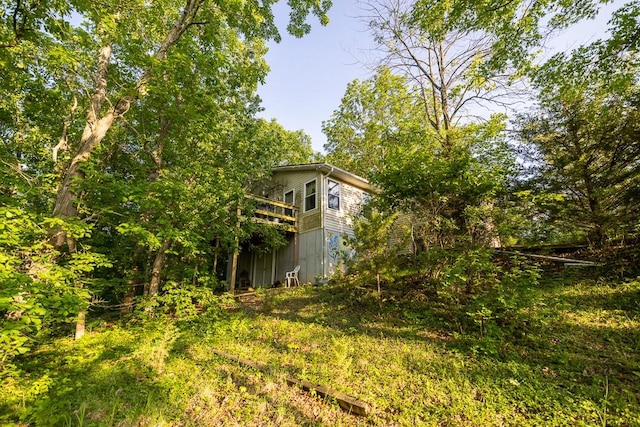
(570, 356)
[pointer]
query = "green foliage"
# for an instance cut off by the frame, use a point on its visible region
(451, 198)
(496, 310)
(530, 217)
(516, 29)
(447, 180)
(586, 117)
(175, 100)
(287, 147)
(558, 350)
(378, 239)
(375, 116)
(583, 140)
(41, 292)
(183, 301)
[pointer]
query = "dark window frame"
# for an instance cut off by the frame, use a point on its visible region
(289, 212)
(334, 194)
(311, 197)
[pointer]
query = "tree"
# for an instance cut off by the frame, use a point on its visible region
(447, 66)
(125, 113)
(518, 29)
(584, 138)
(242, 27)
(451, 198)
(172, 190)
(132, 44)
(377, 244)
(374, 116)
(417, 128)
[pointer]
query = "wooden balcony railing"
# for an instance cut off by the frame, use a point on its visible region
(275, 212)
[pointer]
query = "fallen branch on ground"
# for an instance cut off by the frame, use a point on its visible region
(346, 402)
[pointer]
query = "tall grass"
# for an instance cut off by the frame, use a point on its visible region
(568, 353)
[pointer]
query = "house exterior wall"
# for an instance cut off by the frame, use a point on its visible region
(323, 232)
(311, 255)
(341, 220)
(338, 224)
(310, 243)
(284, 260)
(308, 220)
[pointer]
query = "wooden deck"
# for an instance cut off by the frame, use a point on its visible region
(275, 212)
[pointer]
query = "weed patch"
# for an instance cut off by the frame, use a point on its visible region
(566, 353)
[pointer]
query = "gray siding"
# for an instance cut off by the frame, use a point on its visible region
(323, 232)
(311, 255)
(296, 181)
(339, 226)
(341, 220)
(284, 261)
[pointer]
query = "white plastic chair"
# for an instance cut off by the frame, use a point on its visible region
(293, 276)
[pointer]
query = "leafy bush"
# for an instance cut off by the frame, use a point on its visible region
(41, 290)
(377, 245)
(499, 309)
(183, 301)
(458, 274)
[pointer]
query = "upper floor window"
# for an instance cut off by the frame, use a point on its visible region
(366, 198)
(333, 192)
(310, 195)
(289, 199)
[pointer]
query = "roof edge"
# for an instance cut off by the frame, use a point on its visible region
(329, 170)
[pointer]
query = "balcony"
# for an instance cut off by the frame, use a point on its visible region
(275, 213)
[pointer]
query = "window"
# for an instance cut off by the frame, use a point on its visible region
(310, 195)
(288, 199)
(333, 191)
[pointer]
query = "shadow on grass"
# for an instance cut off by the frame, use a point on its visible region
(561, 356)
(87, 384)
(558, 350)
(265, 395)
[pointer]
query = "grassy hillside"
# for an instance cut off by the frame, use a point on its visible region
(566, 352)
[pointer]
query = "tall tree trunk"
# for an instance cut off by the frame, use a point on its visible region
(94, 132)
(127, 301)
(216, 254)
(194, 279)
(82, 313)
(158, 263)
(236, 252)
(97, 125)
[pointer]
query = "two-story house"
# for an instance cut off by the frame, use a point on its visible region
(323, 199)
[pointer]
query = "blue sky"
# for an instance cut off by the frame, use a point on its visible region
(309, 75)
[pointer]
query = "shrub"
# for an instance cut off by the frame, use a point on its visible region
(41, 290)
(183, 301)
